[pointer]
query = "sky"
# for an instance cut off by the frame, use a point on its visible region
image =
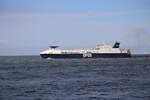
(28, 27)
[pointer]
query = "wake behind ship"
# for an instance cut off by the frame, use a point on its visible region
(101, 51)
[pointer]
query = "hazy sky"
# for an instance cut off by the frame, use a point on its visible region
(29, 26)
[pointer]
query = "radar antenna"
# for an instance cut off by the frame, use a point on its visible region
(53, 47)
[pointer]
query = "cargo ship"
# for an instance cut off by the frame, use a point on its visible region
(100, 51)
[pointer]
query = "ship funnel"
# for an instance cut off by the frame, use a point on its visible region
(116, 45)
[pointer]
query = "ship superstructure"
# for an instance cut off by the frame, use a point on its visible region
(101, 50)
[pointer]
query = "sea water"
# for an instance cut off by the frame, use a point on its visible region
(34, 78)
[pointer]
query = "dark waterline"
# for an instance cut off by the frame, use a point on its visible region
(34, 78)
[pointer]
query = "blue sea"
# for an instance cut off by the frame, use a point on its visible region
(34, 78)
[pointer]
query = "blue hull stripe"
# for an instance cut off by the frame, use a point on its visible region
(94, 55)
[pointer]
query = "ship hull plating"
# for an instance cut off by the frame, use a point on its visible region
(94, 55)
